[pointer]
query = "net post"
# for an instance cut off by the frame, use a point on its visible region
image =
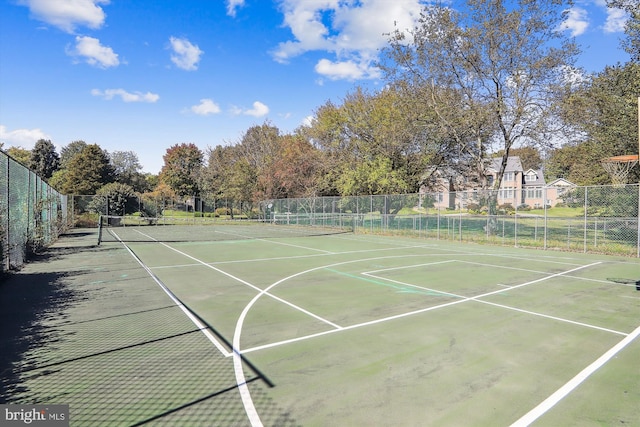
(99, 229)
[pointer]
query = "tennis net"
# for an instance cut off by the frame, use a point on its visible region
(195, 229)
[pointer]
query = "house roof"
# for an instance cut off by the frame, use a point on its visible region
(561, 182)
(513, 164)
(539, 178)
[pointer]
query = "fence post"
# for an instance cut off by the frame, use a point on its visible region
(586, 219)
(515, 227)
(546, 213)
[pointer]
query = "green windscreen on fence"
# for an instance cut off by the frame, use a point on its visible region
(32, 213)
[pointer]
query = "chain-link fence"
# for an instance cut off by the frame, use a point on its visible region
(601, 219)
(32, 214)
(87, 209)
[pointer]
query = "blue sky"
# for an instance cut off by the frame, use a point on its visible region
(144, 75)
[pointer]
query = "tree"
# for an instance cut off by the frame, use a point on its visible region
(69, 151)
(87, 171)
(128, 170)
(182, 164)
(256, 153)
(213, 177)
(632, 27)
(366, 132)
(154, 202)
(579, 163)
(44, 160)
(500, 61)
(296, 169)
(20, 154)
(114, 199)
(529, 157)
(241, 183)
(604, 112)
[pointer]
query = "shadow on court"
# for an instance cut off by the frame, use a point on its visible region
(25, 299)
(86, 326)
(625, 281)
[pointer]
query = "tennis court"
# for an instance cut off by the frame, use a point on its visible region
(263, 325)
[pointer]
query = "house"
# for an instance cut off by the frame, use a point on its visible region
(510, 191)
(518, 187)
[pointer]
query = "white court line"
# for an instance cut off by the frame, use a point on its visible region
(203, 328)
(238, 369)
(572, 384)
(506, 288)
(244, 282)
(562, 273)
(275, 241)
(368, 273)
(238, 261)
(398, 316)
(553, 317)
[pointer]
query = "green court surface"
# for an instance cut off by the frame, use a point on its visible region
(237, 328)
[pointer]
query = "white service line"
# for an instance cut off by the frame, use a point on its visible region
(573, 383)
(244, 282)
(402, 267)
(506, 288)
(203, 328)
(276, 242)
(552, 317)
(397, 316)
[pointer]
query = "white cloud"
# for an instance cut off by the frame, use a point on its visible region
(68, 14)
(23, 138)
(308, 121)
(353, 31)
(206, 107)
(577, 21)
(109, 94)
(349, 70)
(185, 54)
(94, 53)
(616, 20)
(259, 110)
(232, 5)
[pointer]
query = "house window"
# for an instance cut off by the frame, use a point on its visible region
(508, 176)
(531, 177)
(506, 193)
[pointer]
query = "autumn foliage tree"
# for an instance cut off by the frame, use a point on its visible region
(181, 170)
(297, 168)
